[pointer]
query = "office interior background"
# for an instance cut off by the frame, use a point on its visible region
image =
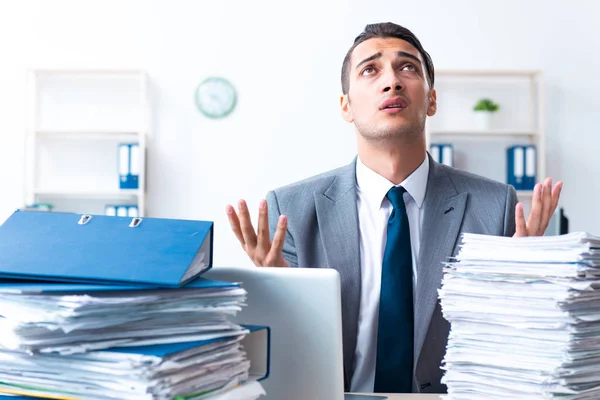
(284, 60)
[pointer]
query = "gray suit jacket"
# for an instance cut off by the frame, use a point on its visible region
(323, 232)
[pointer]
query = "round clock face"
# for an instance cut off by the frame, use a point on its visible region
(215, 97)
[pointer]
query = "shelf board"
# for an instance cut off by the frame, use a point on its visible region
(486, 133)
(89, 134)
(88, 193)
(489, 73)
(524, 193)
(91, 71)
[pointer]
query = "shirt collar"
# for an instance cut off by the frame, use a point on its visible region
(375, 186)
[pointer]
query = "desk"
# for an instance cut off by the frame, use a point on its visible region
(404, 396)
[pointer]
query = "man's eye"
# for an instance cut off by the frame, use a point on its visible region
(408, 67)
(368, 71)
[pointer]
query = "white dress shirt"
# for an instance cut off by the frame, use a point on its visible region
(374, 210)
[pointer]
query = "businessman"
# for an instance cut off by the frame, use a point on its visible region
(389, 219)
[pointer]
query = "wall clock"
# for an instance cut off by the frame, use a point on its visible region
(216, 97)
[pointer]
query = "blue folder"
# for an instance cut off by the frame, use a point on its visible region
(442, 153)
(256, 343)
(129, 159)
(521, 161)
(515, 166)
(101, 249)
(31, 287)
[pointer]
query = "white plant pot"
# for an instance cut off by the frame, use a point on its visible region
(483, 120)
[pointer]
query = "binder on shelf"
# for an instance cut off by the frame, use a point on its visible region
(102, 249)
(132, 211)
(121, 211)
(530, 167)
(442, 153)
(515, 166)
(129, 165)
(110, 210)
(521, 162)
(39, 207)
(126, 210)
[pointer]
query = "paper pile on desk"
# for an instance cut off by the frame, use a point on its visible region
(41, 318)
(191, 370)
(119, 310)
(525, 318)
(121, 342)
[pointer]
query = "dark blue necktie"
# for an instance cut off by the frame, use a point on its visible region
(393, 370)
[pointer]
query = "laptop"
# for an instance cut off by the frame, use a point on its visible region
(303, 308)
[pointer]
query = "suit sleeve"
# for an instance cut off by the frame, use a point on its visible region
(289, 249)
(509, 212)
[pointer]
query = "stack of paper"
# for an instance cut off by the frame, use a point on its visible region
(114, 308)
(72, 318)
(189, 369)
(148, 343)
(524, 316)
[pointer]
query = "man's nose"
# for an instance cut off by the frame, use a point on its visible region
(392, 82)
(396, 88)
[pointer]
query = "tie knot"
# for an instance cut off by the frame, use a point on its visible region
(394, 195)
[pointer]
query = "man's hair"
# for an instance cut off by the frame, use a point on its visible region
(386, 30)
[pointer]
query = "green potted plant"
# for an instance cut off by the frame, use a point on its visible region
(484, 109)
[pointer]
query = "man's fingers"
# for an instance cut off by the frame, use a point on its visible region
(235, 224)
(263, 239)
(535, 217)
(556, 194)
(521, 226)
(547, 201)
(276, 252)
(246, 225)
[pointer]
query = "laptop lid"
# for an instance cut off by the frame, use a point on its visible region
(303, 308)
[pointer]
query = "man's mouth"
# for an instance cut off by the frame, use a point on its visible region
(396, 103)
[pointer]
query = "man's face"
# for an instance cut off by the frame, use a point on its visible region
(389, 96)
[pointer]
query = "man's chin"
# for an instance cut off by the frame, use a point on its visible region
(396, 131)
(391, 130)
(391, 136)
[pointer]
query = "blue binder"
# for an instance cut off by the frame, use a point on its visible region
(110, 210)
(521, 162)
(123, 210)
(258, 348)
(102, 249)
(530, 167)
(442, 153)
(132, 211)
(36, 287)
(129, 165)
(256, 343)
(515, 165)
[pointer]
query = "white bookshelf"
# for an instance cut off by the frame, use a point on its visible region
(491, 133)
(520, 119)
(77, 119)
(89, 193)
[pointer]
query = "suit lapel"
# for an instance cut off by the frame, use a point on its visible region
(443, 213)
(337, 217)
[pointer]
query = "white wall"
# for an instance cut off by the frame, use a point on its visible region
(284, 59)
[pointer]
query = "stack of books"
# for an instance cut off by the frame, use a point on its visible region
(524, 318)
(97, 307)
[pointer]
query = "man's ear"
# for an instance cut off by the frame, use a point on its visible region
(432, 107)
(346, 110)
